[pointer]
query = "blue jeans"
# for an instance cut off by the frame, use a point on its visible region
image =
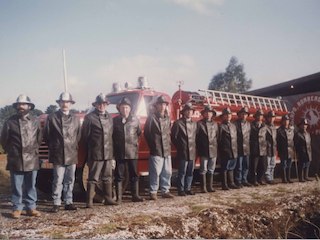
(24, 193)
(285, 163)
(185, 175)
(242, 169)
(160, 171)
(63, 180)
(228, 165)
(271, 163)
(207, 165)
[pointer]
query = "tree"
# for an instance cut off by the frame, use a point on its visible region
(51, 109)
(232, 80)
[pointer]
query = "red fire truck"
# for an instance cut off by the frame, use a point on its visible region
(142, 98)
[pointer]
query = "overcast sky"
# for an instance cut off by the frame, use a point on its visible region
(110, 41)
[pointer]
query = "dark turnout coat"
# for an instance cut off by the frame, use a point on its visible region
(285, 143)
(62, 135)
(207, 138)
(21, 138)
(126, 137)
(243, 137)
(157, 134)
(228, 146)
(302, 143)
(97, 130)
(258, 139)
(183, 136)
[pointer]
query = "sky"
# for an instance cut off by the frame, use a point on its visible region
(166, 41)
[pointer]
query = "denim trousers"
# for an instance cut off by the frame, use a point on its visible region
(242, 169)
(63, 180)
(185, 175)
(23, 187)
(286, 163)
(271, 163)
(207, 165)
(228, 165)
(160, 172)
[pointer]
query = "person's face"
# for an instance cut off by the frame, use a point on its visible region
(304, 127)
(259, 118)
(188, 113)
(271, 119)
(124, 110)
(227, 117)
(64, 106)
(23, 108)
(286, 123)
(161, 108)
(243, 116)
(101, 107)
(208, 115)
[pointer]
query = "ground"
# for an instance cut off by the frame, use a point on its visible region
(273, 211)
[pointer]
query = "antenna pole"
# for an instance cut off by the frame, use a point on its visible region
(65, 71)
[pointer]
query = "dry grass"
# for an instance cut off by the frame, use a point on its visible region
(4, 175)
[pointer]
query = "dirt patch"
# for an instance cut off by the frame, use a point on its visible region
(277, 211)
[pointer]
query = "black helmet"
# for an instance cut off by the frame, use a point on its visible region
(101, 98)
(65, 97)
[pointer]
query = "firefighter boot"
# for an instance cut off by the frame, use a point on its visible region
(306, 174)
(119, 192)
(135, 192)
(231, 180)
(90, 194)
(224, 181)
(284, 176)
(301, 174)
(203, 183)
(107, 188)
(289, 175)
(210, 183)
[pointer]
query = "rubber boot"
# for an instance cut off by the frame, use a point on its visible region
(306, 174)
(107, 188)
(210, 183)
(90, 194)
(119, 192)
(289, 175)
(284, 176)
(301, 174)
(135, 192)
(224, 182)
(203, 183)
(231, 180)
(255, 182)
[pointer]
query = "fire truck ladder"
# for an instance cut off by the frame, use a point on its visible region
(217, 98)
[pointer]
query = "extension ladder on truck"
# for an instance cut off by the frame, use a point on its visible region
(218, 98)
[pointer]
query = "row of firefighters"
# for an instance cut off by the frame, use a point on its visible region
(105, 138)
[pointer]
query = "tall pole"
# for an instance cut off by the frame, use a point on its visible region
(65, 71)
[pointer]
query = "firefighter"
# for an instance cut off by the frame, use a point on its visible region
(207, 134)
(243, 137)
(302, 142)
(126, 132)
(183, 135)
(228, 149)
(62, 134)
(285, 147)
(97, 132)
(21, 137)
(157, 135)
(258, 148)
(271, 146)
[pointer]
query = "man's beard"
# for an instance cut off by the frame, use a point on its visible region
(23, 112)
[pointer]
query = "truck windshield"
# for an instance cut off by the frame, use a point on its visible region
(115, 99)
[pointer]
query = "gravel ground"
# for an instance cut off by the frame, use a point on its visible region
(273, 211)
